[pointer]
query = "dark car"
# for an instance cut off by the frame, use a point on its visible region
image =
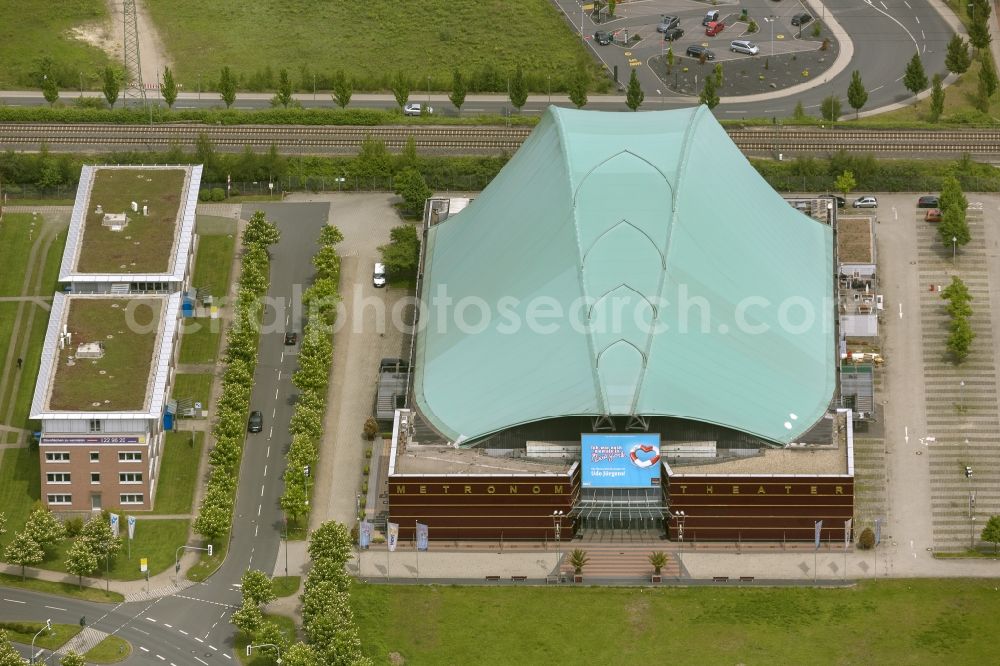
(801, 18)
(256, 422)
(697, 51)
(667, 22)
(929, 201)
(841, 201)
(291, 337)
(603, 38)
(673, 34)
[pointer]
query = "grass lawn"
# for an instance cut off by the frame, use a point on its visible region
(14, 249)
(206, 565)
(265, 656)
(212, 263)
(23, 391)
(156, 540)
(19, 488)
(285, 586)
(27, 36)
(931, 621)
(445, 32)
(198, 387)
(200, 339)
(61, 589)
(215, 225)
(50, 270)
(118, 380)
(109, 651)
(53, 639)
(8, 311)
(178, 473)
(144, 245)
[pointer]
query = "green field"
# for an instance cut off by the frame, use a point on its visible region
(933, 621)
(109, 651)
(369, 41)
(213, 263)
(62, 589)
(285, 586)
(19, 488)
(200, 339)
(28, 36)
(14, 248)
(154, 539)
(50, 270)
(178, 473)
(54, 638)
(195, 386)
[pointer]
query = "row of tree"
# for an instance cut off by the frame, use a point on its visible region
(215, 515)
(959, 308)
(312, 376)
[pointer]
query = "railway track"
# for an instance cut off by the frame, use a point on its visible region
(468, 140)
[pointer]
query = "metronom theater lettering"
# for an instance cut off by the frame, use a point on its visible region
(480, 489)
(757, 489)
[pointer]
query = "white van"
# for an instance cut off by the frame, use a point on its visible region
(378, 277)
(744, 46)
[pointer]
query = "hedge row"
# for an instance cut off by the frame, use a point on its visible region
(215, 514)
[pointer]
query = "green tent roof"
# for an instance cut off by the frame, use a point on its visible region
(627, 264)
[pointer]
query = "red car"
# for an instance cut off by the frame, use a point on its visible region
(714, 28)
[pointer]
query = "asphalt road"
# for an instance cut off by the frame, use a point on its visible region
(193, 626)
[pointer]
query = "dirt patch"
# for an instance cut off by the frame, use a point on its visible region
(396, 659)
(109, 36)
(99, 35)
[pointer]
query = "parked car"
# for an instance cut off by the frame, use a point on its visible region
(603, 38)
(291, 337)
(667, 22)
(256, 422)
(928, 201)
(710, 15)
(801, 18)
(841, 201)
(714, 28)
(743, 46)
(697, 51)
(673, 34)
(415, 109)
(865, 202)
(933, 215)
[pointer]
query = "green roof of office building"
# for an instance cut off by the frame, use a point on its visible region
(627, 264)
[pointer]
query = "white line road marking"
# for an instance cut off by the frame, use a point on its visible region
(268, 451)
(160, 658)
(56, 608)
(256, 527)
(925, 48)
(899, 79)
(879, 88)
(262, 490)
(883, 4)
(287, 315)
(14, 601)
(275, 397)
(168, 626)
(198, 639)
(737, 111)
(905, 3)
(206, 634)
(922, 35)
(900, 310)
(149, 619)
(140, 631)
(917, 18)
(183, 632)
(213, 648)
(143, 649)
(226, 655)
(258, 509)
(202, 660)
(895, 213)
(772, 110)
(265, 470)
(270, 431)
(906, 433)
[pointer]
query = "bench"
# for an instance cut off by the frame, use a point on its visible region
(552, 578)
(746, 579)
(493, 578)
(720, 579)
(518, 579)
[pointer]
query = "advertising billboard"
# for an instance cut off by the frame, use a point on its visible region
(620, 461)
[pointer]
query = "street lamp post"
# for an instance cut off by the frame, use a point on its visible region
(961, 386)
(557, 517)
(251, 648)
(770, 20)
(680, 516)
(954, 249)
(177, 559)
(48, 625)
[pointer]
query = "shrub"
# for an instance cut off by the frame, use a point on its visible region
(867, 539)
(73, 526)
(370, 429)
(205, 195)
(218, 194)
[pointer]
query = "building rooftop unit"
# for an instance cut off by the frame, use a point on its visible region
(106, 357)
(131, 224)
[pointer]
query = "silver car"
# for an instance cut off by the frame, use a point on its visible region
(865, 202)
(415, 109)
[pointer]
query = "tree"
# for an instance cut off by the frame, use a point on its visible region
(952, 195)
(330, 235)
(830, 108)
(102, 540)
(991, 532)
(332, 541)
(979, 34)
(410, 185)
(578, 83)
(300, 654)
(937, 99)
(81, 560)
(857, 96)
(342, 89)
(458, 89)
(867, 539)
(3, 523)
(718, 75)
(845, 182)
(518, 88)
(408, 156)
(402, 254)
(633, 93)
(8, 655)
(256, 587)
(953, 225)
(988, 74)
(284, 95)
(957, 59)
(958, 297)
(578, 560)
(227, 86)
(72, 658)
(23, 551)
(49, 88)
(248, 619)
(981, 100)
(112, 85)
(168, 88)
(45, 529)
(799, 112)
(401, 88)
(260, 231)
(658, 560)
(294, 501)
(709, 97)
(960, 339)
(914, 78)
(212, 521)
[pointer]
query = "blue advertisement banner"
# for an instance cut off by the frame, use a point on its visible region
(620, 461)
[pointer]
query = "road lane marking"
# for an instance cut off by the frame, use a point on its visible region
(262, 490)
(202, 660)
(14, 601)
(879, 88)
(905, 3)
(265, 470)
(213, 648)
(160, 658)
(255, 531)
(900, 310)
(258, 509)
(198, 639)
(883, 4)
(56, 608)
(917, 19)
(168, 626)
(275, 397)
(149, 619)
(922, 35)
(144, 649)
(183, 632)
(140, 630)
(906, 433)
(268, 451)
(226, 655)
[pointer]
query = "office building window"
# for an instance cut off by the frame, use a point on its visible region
(130, 477)
(57, 456)
(94, 425)
(95, 456)
(95, 477)
(57, 477)
(131, 499)
(60, 499)
(130, 456)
